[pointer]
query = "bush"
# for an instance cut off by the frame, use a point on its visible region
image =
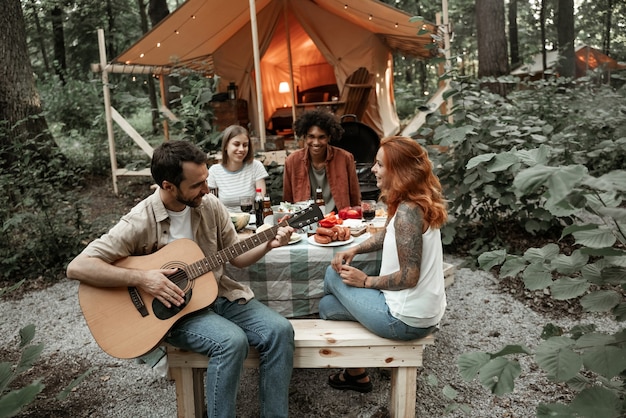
(548, 158)
(492, 138)
(40, 210)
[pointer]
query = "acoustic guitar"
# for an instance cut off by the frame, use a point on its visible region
(127, 322)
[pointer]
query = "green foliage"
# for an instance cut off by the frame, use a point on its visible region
(547, 158)
(195, 114)
(39, 210)
(12, 401)
(543, 132)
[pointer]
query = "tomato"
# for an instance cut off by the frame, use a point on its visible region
(353, 214)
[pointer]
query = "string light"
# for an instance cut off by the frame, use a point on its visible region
(371, 17)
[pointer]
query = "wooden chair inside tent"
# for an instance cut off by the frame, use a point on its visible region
(356, 92)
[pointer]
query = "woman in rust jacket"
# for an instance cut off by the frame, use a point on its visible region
(321, 165)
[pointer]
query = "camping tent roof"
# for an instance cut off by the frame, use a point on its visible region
(212, 36)
(587, 58)
(190, 35)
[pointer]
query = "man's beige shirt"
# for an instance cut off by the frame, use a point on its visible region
(145, 229)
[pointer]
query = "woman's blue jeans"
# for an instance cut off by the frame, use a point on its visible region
(224, 333)
(367, 306)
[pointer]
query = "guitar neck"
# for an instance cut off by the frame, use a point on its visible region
(223, 256)
(299, 220)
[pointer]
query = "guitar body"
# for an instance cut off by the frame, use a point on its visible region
(115, 322)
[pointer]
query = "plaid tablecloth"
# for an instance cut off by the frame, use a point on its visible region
(290, 279)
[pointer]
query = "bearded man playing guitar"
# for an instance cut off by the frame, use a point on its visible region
(221, 326)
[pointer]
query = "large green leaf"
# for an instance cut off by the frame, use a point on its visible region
(30, 355)
(563, 180)
(26, 335)
(612, 181)
(483, 158)
(600, 301)
(530, 179)
(511, 349)
(502, 162)
(537, 276)
(14, 401)
(594, 339)
(565, 264)
(470, 363)
(491, 258)
(601, 237)
(614, 275)
(597, 402)
(6, 375)
(512, 266)
(568, 288)
(557, 358)
(499, 375)
(607, 361)
(619, 214)
(539, 255)
(534, 156)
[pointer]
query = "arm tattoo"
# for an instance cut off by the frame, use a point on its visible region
(408, 227)
(373, 243)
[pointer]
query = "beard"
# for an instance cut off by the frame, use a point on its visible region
(191, 203)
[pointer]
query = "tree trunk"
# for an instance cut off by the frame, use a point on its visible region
(492, 45)
(606, 41)
(513, 35)
(152, 96)
(542, 24)
(20, 106)
(565, 30)
(39, 40)
(60, 65)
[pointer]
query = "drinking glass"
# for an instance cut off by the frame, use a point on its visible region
(245, 203)
(368, 210)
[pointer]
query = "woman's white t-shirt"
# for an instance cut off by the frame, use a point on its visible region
(235, 184)
(421, 306)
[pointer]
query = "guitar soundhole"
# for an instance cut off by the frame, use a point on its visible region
(180, 279)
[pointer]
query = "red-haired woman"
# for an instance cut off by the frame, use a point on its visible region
(407, 299)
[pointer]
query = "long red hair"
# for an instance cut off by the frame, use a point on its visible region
(409, 177)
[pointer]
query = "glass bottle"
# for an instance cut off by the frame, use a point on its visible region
(258, 207)
(319, 200)
(267, 208)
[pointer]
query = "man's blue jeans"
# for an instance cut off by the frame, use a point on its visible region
(224, 333)
(367, 306)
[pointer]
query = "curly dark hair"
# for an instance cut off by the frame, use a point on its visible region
(326, 121)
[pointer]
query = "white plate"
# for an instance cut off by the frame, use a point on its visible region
(295, 237)
(332, 243)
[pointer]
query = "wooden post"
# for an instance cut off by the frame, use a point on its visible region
(293, 91)
(166, 126)
(257, 72)
(107, 107)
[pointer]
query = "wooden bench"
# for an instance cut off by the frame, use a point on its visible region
(319, 344)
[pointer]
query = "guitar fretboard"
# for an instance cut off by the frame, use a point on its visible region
(299, 220)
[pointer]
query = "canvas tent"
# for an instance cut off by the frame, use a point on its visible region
(586, 58)
(303, 42)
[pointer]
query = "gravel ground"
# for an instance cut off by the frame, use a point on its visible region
(479, 318)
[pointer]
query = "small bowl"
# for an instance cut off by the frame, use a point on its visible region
(240, 220)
